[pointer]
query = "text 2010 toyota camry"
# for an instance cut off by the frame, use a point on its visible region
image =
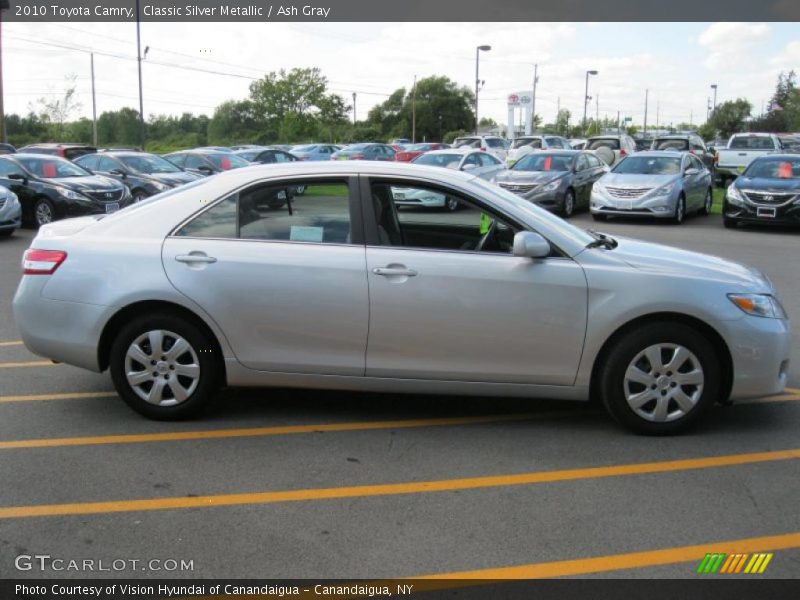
(213, 283)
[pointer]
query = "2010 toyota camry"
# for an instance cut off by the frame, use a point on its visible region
(211, 284)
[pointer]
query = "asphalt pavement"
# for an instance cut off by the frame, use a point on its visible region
(312, 484)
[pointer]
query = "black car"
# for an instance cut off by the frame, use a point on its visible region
(51, 188)
(144, 174)
(206, 161)
(67, 150)
(558, 180)
(266, 156)
(686, 143)
(767, 192)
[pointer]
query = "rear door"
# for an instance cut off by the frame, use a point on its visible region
(286, 283)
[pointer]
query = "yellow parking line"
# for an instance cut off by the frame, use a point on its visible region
(416, 487)
(617, 562)
(66, 396)
(11, 343)
(32, 363)
(270, 431)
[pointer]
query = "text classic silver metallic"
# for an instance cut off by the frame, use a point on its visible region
(237, 280)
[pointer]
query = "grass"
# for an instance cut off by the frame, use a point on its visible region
(716, 208)
(333, 189)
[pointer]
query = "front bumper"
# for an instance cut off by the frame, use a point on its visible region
(662, 207)
(74, 208)
(788, 214)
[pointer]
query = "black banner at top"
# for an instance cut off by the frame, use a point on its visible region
(400, 10)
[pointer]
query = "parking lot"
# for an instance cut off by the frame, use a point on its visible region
(287, 483)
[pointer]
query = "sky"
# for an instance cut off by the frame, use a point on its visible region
(676, 62)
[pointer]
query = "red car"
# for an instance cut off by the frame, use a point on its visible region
(413, 151)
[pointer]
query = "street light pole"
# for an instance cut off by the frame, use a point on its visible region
(714, 87)
(4, 5)
(586, 96)
(94, 104)
(139, 60)
(478, 50)
(533, 102)
(354, 109)
(414, 112)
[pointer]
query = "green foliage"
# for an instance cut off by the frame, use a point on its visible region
(730, 117)
(783, 113)
(452, 135)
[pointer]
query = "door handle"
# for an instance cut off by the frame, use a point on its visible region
(195, 258)
(394, 272)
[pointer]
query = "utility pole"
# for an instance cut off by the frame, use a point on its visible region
(618, 129)
(3, 6)
(478, 50)
(658, 109)
(558, 114)
(94, 104)
(646, 94)
(354, 109)
(414, 112)
(597, 114)
(139, 60)
(533, 101)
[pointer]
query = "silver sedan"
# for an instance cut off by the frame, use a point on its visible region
(213, 284)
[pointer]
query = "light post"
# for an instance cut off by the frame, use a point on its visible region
(586, 97)
(714, 106)
(478, 51)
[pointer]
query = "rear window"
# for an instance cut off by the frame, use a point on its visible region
(671, 145)
(752, 143)
(612, 143)
(72, 153)
(533, 143)
(495, 143)
(468, 143)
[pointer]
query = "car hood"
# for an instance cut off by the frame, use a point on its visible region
(172, 178)
(763, 183)
(626, 180)
(538, 177)
(667, 260)
(92, 183)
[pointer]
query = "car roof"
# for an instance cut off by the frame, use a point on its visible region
(18, 155)
(59, 145)
(463, 151)
(667, 153)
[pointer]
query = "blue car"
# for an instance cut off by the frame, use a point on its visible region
(767, 192)
(314, 151)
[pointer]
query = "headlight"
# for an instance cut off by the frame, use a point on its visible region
(71, 194)
(734, 196)
(759, 305)
(160, 186)
(12, 198)
(600, 189)
(664, 190)
(549, 187)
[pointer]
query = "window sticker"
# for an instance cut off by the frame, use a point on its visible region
(300, 233)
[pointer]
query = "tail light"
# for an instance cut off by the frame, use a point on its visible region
(716, 158)
(357, 157)
(303, 158)
(483, 149)
(42, 262)
(623, 152)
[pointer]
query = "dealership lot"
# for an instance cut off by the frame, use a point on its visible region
(555, 494)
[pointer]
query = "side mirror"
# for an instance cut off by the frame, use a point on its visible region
(18, 177)
(118, 172)
(530, 245)
(469, 167)
(691, 171)
(205, 169)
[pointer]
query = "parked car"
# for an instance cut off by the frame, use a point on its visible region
(7, 149)
(643, 143)
(247, 147)
(10, 212)
(741, 150)
(557, 180)
(215, 148)
(686, 143)
(660, 184)
(266, 155)
(611, 148)
(412, 151)
(486, 143)
(577, 143)
(400, 141)
(205, 162)
(50, 188)
(65, 150)
(365, 152)
(767, 192)
(144, 174)
(790, 142)
(526, 144)
(519, 303)
(314, 151)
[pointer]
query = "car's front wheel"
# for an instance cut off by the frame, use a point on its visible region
(707, 203)
(660, 379)
(569, 204)
(164, 366)
(680, 211)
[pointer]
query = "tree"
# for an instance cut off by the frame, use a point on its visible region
(783, 113)
(234, 122)
(487, 122)
(56, 110)
(729, 117)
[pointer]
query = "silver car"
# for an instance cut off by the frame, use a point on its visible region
(663, 184)
(10, 212)
(210, 284)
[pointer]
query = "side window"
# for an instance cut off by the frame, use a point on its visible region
(106, 164)
(267, 157)
(487, 160)
(7, 168)
(583, 163)
(177, 159)
(88, 161)
(281, 157)
(277, 213)
(472, 159)
(193, 162)
(464, 227)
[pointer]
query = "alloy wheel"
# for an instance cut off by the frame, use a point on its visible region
(569, 204)
(44, 213)
(663, 382)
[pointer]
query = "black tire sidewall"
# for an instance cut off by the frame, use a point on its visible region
(626, 348)
(36, 206)
(203, 347)
(567, 195)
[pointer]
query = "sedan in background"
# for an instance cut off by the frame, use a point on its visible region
(661, 184)
(10, 212)
(314, 151)
(365, 152)
(206, 162)
(144, 174)
(767, 192)
(205, 286)
(412, 151)
(51, 188)
(266, 156)
(558, 180)
(68, 150)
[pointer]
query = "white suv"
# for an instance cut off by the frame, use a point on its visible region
(488, 143)
(526, 144)
(611, 148)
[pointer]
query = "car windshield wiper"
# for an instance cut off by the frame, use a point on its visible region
(601, 240)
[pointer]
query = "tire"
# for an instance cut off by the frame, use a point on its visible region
(630, 371)
(729, 223)
(43, 212)
(139, 195)
(131, 352)
(707, 203)
(451, 204)
(6, 233)
(299, 190)
(598, 217)
(680, 211)
(568, 208)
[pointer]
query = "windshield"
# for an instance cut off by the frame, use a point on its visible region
(227, 161)
(308, 148)
(775, 168)
(148, 163)
(450, 161)
(542, 162)
(649, 165)
(533, 143)
(603, 143)
(671, 145)
(52, 168)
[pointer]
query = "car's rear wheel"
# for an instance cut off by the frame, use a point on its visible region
(598, 217)
(164, 367)
(660, 379)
